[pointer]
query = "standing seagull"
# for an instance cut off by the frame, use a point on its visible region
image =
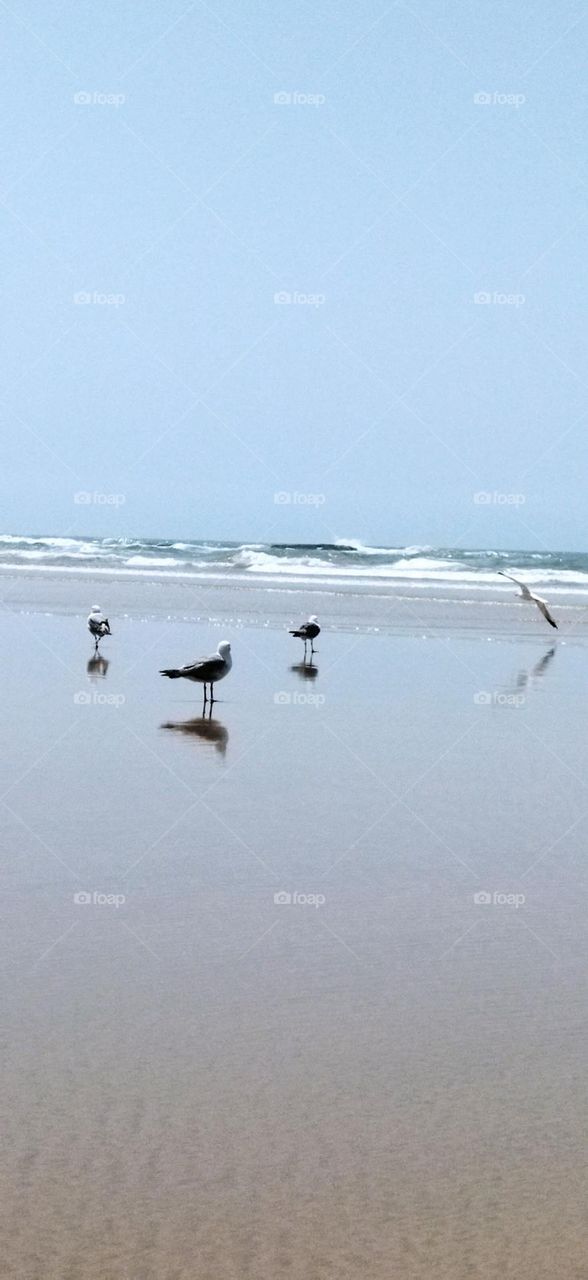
(205, 670)
(98, 625)
(308, 631)
(528, 595)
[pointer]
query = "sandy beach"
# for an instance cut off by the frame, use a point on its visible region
(299, 989)
(294, 986)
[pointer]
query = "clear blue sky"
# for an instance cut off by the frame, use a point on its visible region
(382, 188)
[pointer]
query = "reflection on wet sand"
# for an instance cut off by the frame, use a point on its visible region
(97, 667)
(526, 677)
(305, 670)
(204, 728)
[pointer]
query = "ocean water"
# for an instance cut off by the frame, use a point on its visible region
(329, 565)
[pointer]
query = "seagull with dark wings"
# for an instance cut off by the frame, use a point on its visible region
(206, 671)
(528, 595)
(308, 631)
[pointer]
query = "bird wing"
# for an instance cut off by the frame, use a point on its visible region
(205, 668)
(541, 605)
(96, 621)
(307, 631)
(522, 585)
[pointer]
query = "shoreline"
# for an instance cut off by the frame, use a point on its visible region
(274, 603)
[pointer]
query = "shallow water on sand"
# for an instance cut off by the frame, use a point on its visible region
(377, 1076)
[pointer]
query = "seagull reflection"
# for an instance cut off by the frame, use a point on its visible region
(203, 727)
(97, 667)
(305, 670)
(536, 672)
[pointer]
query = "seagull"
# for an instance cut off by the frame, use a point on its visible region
(528, 595)
(308, 631)
(205, 670)
(98, 625)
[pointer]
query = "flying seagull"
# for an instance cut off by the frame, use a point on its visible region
(308, 631)
(98, 625)
(205, 670)
(528, 595)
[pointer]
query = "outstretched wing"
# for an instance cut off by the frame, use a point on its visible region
(541, 605)
(522, 585)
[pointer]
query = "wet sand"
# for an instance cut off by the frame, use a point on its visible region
(356, 606)
(201, 1082)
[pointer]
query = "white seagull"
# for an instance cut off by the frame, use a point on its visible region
(98, 625)
(308, 631)
(528, 595)
(205, 670)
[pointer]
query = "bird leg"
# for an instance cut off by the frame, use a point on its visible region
(211, 693)
(205, 695)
